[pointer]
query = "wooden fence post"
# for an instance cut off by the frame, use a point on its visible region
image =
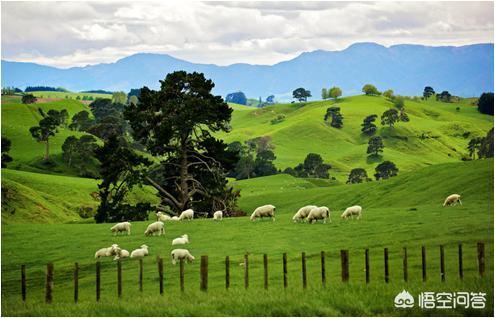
(323, 271)
(204, 273)
(367, 265)
(23, 282)
(98, 271)
(423, 262)
(344, 262)
(461, 270)
(160, 274)
(385, 259)
(140, 274)
(404, 264)
(303, 268)
(481, 258)
(227, 272)
(49, 283)
(76, 282)
(284, 262)
(246, 271)
(119, 278)
(181, 274)
(265, 267)
(442, 263)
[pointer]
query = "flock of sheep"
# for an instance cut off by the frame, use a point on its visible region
(309, 213)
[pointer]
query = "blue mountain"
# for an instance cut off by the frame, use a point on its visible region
(464, 71)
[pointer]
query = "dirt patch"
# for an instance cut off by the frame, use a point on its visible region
(46, 100)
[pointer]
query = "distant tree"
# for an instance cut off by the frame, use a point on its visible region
(428, 92)
(337, 118)
(444, 96)
(270, 100)
(486, 147)
(134, 92)
(47, 127)
(398, 102)
(28, 99)
(369, 128)
(81, 121)
(474, 146)
(312, 167)
(301, 94)
(403, 116)
(79, 154)
(358, 175)
(335, 92)
(324, 93)
(369, 89)
(78, 97)
(61, 116)
(237, 98)
(390, 117)
(388, 93)
(119, 97)
(263, 164)
(375, 145)
(485, 104)
(6, 143)
(385, 170)
(108, 126)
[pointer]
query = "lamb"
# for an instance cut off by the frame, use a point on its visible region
(319, 213)
(351, 211)
(121, 227)
(156, 227)
(452, 199)
(187, 214)
(175, 218)
(218, 215)
(265, 210)
(184, 239)
(120, 253)
(303, 212)
(140, 252)
(106, 251)
(162, 217)
(179, 254)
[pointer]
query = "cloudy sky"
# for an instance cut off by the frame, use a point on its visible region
(68, 34)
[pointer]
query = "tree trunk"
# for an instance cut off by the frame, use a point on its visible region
(47, 151)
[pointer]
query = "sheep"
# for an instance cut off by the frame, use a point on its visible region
(187, 214)
(351, 211)
(184, 239)
(265, 210)
(106, 251)
(319, 213)
(156, 227)
(140, 252)
(452, 199)
(162, 217)
(174, 218)
(218, 215)
(120, 253)
(179, 254)
(303, 212)
(121, 227)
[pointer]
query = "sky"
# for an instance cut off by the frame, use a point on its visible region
(66, 34)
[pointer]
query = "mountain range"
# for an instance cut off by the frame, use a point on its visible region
(464, 71)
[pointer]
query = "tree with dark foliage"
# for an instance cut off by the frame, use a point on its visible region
(28, 99)
(428, 92)
(385, 170)
(47, 127)
(6, 143)
(79, 154)
(312, 167)
(485, 104)
(81, 121)
(369, 127)
(375, 145)
(390, 117)
(358, 175)
(301, 94)
(337, 118)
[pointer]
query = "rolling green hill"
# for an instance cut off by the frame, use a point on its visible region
(69, 95)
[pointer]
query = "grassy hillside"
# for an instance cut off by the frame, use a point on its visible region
(69, 95)
(404, 211)
(304, 131)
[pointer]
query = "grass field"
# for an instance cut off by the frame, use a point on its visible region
(69, 95)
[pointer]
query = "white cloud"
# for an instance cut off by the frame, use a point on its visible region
(78, 33)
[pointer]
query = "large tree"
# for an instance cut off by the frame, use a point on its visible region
(312, 167)
(301, 94)
(358, 175)
(375, 145)
(370, 89)
(369, 127)
(47, 127)
(390, 117)
(428, 92)
(485, 103)
(81, 121)
(79, 154)
(386, 170)
(176, 122)
(337, 118)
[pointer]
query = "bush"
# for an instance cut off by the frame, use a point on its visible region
(280, 118)
(29, 99)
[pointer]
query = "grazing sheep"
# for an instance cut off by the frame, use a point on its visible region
(174, 218)
(162, 217)
(319, 213)
(106, 251)
(140, 252)
(452, 199)
(120, 253)
(156, 227)
(218, 215)
(265, 210)
(187, 214)
(179, 254)
(121, 227)
(303, 212)
(184, 239)
(351, 211)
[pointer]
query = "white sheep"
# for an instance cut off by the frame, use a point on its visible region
(106, 251)
(155, 227)
(303, 212)
(184, 239)
(140, 252)
(187, 214)
(120, 253)
(174, 218)
(355, 210)
(319, 213)
(179, 254)
(121, 227)
(262, 211)
(162, 217)
(218, 215)
(452, 199)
